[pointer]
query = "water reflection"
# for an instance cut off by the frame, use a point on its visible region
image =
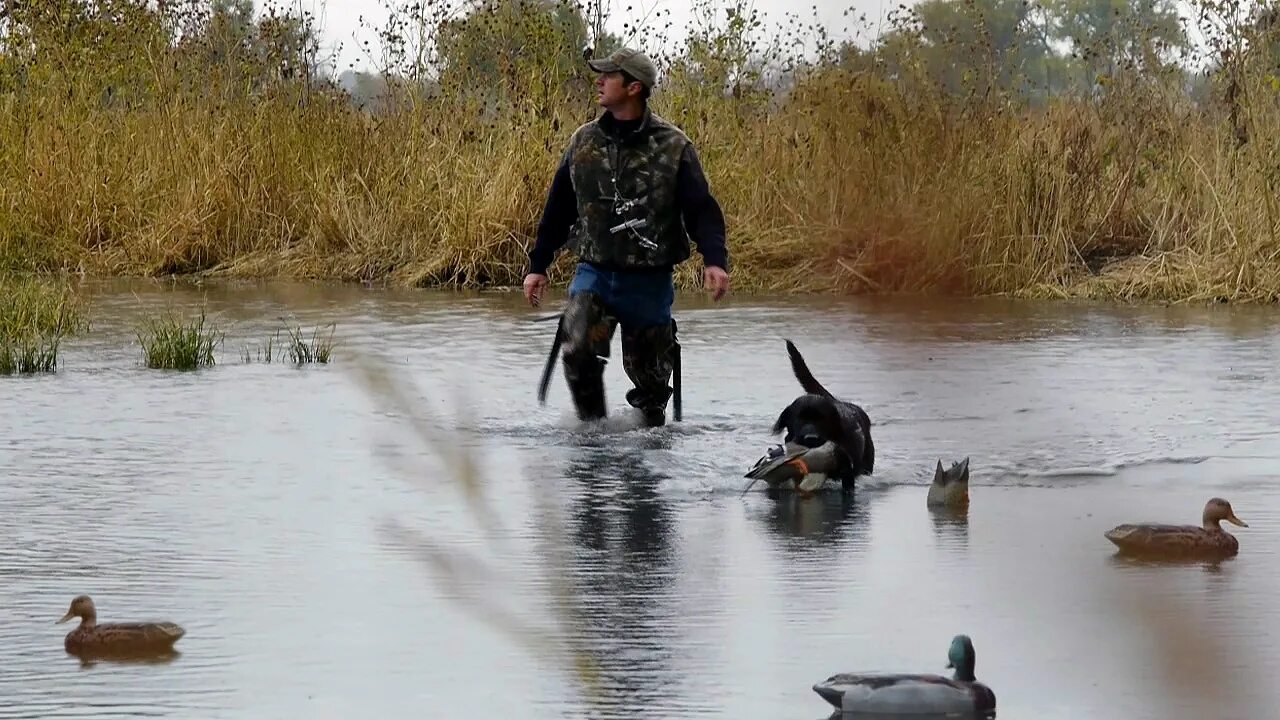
(89, 659)
(1211, 566)
(1189, 612)
(616, 498)
(623, 568)
(823, 519)
(950, 525)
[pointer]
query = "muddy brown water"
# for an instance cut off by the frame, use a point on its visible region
(255, 504)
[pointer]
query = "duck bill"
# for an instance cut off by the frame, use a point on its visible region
(65, 618)
(1236, 521)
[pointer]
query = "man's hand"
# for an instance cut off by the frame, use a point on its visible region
(534, 285)
(713, 278)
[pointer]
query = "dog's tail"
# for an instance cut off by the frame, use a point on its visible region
(801, 370)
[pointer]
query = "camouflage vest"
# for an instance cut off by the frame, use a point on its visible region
(628, 181)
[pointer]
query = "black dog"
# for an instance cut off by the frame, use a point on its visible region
(818, 416)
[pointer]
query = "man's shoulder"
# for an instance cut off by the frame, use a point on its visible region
(659, 122)
(586, 127)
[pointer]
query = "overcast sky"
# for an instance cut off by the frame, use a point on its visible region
(340, 18)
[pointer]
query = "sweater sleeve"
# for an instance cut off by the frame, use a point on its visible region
(703, 218)
(558, 216)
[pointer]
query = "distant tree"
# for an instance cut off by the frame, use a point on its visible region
(496, 51)
(967, 47)
(224, 38)
(1109, 37)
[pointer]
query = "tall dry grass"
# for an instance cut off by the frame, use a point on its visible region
(125, 152)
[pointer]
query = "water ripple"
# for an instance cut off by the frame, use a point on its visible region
(249, 502)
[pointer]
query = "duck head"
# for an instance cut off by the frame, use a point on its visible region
(962, 658)
(1217, 510)
(82, 607)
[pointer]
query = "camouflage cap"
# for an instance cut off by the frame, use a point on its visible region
(632, 61)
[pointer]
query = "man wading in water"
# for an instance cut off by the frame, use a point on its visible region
(631, 187)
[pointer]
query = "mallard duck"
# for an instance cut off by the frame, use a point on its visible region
(89, 636)
(950, 487)
(807, 467)
(1159, 538)
(887, 693)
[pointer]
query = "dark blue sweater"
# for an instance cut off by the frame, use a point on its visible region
(703, 219)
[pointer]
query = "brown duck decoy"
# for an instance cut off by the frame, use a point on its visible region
(1210, 539)
(137, 637)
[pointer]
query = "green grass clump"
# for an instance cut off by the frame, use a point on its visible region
(35, 315)
(170, 343)
(264, 353)
(300, 350)
(318, 350)
(26, 356)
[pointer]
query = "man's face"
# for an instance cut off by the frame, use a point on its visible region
(611, 90)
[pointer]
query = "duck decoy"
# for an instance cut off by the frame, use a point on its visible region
(960, 695)
(806, 467)
(91, 636)
(950, 487)
(1165, 539)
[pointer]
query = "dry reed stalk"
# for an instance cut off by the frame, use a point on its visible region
(469, 575)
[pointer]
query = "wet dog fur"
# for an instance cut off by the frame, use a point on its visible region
(818, 416)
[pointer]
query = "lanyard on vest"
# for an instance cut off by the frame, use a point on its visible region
(621, 205)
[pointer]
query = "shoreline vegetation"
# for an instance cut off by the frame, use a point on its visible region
(971, 147)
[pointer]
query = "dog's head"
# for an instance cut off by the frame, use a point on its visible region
(810, 420)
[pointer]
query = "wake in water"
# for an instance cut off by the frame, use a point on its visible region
(622, 422)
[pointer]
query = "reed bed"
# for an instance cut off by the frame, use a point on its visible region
(36, 314)
(844, 172)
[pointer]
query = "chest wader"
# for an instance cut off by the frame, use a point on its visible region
(587, 332)
(623, 186)
(650, 357)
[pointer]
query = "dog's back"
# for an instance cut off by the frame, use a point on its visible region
(850, 413)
